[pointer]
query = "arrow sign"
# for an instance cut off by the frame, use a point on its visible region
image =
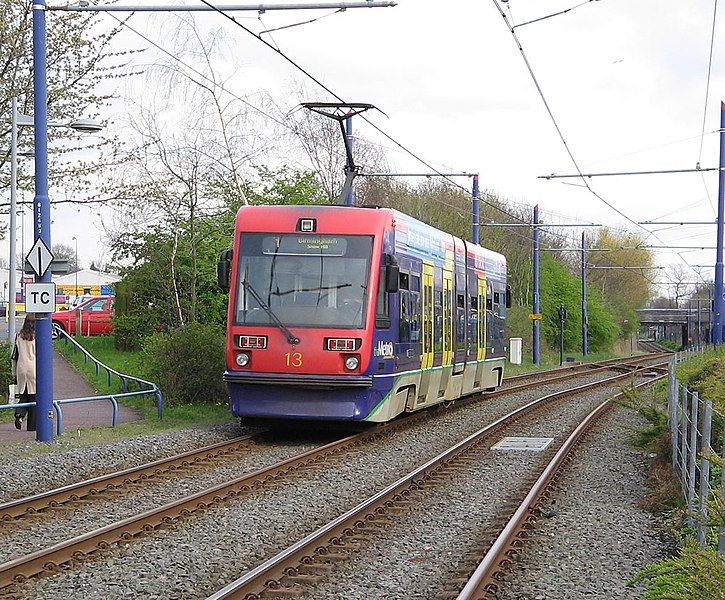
(39, 257)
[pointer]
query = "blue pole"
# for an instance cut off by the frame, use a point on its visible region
(350, 200)
(585, 316)
(536, 346)
(41, 224)
(717, 322)
(709, 314)
(476, 211)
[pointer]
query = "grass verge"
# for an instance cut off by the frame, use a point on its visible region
(692, 573)
(132, 363)
(550, 360)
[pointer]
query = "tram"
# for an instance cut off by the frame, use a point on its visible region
(341, 313)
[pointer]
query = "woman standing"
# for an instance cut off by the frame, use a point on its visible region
(24, 370)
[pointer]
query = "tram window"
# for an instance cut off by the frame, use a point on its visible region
(474, 303)
(496, 298)
(461, 331)
(409, 328)
(382, 305)
(404, 281)
(489, 303)
(414, 283)
(461, 301)
(438, 329)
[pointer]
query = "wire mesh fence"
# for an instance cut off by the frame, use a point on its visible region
(698, 454)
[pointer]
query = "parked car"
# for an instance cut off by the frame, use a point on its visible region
(92, 317)
(78, 300)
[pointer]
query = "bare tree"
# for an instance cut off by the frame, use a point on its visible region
(193, 147)
(66, 252)
(677, 278)
(320, 139)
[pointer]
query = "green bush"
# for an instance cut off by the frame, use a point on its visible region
(130, 330)
(671, 344)
(6, 373)
(187, 363)
(559, 286)
(693, 574)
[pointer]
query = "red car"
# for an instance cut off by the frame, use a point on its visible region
(92, 317)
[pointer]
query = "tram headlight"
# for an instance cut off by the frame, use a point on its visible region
(352, 363)
(242, 359)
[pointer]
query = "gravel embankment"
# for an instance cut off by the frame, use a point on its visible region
(418, 556)
(30, 468)
(207, 551)
(599, 537)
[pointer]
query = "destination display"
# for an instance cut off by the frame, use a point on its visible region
(294, 245)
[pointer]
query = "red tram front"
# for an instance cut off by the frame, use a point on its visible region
(325, 323)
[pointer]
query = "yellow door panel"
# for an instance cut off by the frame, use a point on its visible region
(447, 317)
(427, 341)
(481, 318)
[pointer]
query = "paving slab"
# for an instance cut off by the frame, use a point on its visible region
(69, 383)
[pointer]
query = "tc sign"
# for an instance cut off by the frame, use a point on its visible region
(39, 297)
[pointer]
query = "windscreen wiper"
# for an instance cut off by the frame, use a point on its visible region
(291, 338)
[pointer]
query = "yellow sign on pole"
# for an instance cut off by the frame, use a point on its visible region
(536, 317)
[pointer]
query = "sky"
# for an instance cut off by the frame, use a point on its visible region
(625, 81)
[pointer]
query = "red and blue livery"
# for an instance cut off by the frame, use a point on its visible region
(357, 314)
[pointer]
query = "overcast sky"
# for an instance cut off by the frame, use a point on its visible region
(625, 81)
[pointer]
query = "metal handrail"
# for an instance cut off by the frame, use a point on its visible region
(123, 377)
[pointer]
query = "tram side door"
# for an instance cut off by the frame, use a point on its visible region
(427, 341)
(448, 320)
(481, 318)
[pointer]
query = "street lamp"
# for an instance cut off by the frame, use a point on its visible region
(21, 120)
(75, 239)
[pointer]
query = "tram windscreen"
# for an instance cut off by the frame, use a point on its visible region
(304, 280)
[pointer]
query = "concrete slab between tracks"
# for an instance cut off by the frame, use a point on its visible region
(69, 383)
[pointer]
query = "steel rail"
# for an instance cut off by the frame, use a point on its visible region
(483, 583)
(14, 509)
(267, 578)
(587, 366)
(18, 508)
(54, 558)
(573, 374)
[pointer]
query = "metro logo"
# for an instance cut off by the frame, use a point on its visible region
(384, 349)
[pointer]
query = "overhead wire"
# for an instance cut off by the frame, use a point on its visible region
(651, 148)
(556, 14)
(707, 85)
(377, 128)
(561, 134)
(332, 93)
(339, 10)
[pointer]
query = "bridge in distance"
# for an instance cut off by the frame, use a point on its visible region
(694, 325)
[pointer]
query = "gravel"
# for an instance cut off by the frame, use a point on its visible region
(30, 468)
(431, 544)
(203, 553)
(600, 532)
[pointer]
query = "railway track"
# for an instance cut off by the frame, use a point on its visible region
(292, 572)
(208, 455)
(62, 556)
(15, 509)
(486, 580)
(524, 380)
